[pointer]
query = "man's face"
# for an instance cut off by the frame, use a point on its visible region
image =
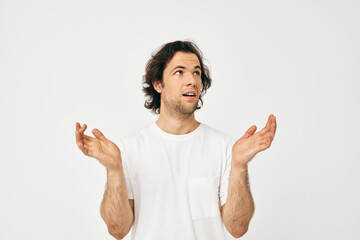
(181, 75)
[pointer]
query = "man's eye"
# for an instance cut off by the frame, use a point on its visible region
(178, 71)
(197, 73)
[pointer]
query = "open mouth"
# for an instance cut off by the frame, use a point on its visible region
(189, 96)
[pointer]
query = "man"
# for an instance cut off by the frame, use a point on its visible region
(177, 178)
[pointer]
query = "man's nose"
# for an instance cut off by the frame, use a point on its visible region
(190, 79)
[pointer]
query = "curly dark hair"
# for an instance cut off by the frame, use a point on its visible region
(158, 62)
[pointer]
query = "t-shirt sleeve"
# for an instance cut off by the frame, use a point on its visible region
(224, 182)
(124, 159)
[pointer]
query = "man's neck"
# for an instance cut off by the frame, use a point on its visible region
(177, 126)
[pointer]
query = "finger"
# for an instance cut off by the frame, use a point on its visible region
(80, 140)
(269, 137)
(83, 128)
(250, 131)
(273, 127)
(77, 126)
(268, 122)
(88, 138)
(89, 142)
(266, 140)
(98, 134)
(263, 131)
(262, 146)
(80, 134)
(78, 137)
(79, 129)
(268, 126)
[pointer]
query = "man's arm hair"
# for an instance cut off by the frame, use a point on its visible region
(116, 209)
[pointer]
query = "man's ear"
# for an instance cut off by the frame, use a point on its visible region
(157, 85)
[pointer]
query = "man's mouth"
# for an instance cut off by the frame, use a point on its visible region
(189, 96)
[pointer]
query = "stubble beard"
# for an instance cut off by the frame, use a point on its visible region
(177, 109)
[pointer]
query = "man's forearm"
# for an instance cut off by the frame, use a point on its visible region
(239, 207)
(115, 207)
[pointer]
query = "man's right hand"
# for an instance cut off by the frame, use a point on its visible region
(99, 147)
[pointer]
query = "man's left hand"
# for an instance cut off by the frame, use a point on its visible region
(246, 147)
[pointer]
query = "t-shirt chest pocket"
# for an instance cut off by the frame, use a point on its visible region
(204, 197)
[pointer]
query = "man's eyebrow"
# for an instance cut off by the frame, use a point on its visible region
(197, 66)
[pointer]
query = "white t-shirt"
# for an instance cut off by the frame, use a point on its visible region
(178, 182)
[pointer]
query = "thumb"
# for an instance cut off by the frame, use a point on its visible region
(97, 133)
(250, 131)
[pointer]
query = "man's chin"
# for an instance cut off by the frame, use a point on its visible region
(191, 110)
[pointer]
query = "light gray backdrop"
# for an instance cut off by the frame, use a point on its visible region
(68, 61)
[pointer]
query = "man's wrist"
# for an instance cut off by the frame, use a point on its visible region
(114, 173)
(239, 166)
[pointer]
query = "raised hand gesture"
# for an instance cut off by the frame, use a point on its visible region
(98, 147)
(246, 147)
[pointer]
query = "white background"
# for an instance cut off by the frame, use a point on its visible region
(68, 61)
